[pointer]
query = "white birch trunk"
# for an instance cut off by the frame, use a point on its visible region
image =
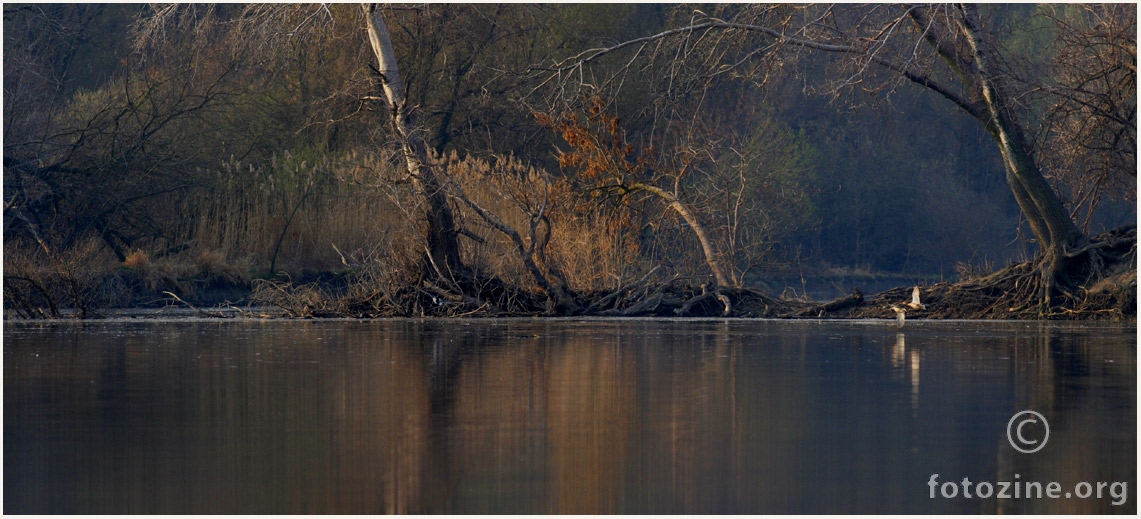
(443, 243)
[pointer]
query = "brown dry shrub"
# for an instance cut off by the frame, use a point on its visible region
(154, 275)
(588, 242)
(137, 260)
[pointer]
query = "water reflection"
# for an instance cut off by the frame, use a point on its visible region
(556, 416)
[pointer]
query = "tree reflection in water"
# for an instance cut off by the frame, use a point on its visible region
(536, 416)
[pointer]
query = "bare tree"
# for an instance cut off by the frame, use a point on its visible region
(443, 242)
(436, 192)
(1089, 138)
(599, 148)
(101, 161)
(943, 48)
(410, 98)
(680, 143)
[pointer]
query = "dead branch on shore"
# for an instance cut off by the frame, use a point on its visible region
(856, 298)
(199, 311)
(602, 303)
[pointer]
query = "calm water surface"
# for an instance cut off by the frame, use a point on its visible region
(537, 416)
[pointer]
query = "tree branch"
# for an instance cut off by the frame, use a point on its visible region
(976, 110)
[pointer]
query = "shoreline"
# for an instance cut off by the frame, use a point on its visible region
(887, 324)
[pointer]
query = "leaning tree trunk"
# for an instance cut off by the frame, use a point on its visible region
(699, 230)
(443, 241)
(1047, 216)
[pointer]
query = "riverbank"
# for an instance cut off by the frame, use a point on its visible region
(1115, 301)
(1014, 292)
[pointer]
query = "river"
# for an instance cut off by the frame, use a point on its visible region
(565, 416)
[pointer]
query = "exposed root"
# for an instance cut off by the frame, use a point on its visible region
(613, 299)
(1100, 282)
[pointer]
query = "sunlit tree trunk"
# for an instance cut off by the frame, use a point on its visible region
(707, 247)
(443, 243)
(1048, 218)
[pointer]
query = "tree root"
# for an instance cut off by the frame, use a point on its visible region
(1099, 281)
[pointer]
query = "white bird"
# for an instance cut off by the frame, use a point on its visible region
(900, 315)
(902, 308)
(915, 304)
